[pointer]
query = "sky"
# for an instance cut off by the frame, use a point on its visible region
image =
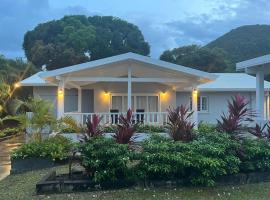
(165, 24)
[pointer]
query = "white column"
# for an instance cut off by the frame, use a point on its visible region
(260, 96)
(195, 106)
(129, 88)
(79, 99)
(60, 99)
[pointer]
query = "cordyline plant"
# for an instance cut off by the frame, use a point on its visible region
(180, 126)
(237, 114)
(92, 128)
(258, 130)
(126, 129)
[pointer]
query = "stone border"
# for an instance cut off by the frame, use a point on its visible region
(49, 183)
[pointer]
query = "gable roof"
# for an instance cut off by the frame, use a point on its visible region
(36, 80)
(232, 82)
(126, 57)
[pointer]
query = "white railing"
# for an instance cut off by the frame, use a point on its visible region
(153, 118)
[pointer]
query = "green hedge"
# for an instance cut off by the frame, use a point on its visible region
(56, 148)
(9, 131)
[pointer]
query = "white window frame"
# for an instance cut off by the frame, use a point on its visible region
(200, 101)
(134, 95)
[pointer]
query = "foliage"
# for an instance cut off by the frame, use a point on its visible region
(92, 129)
(9, 131)
(68, 125)
(126, 129)
(237, 114)
(77, 38)
(255, 155)
(202, 58)
(258, 130)
(145, 128)
(179, 125)
(105, 160)
(244, 42)
(206, 128)
(198, 162)
(56, 148)
(111, 128)
(42, 115)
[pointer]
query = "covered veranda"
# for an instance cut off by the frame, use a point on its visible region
(259, 67)
(145, 85)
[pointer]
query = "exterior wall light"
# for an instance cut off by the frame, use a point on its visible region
(17, 85)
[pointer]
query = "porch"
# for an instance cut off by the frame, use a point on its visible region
(147, 118)
(127, 81)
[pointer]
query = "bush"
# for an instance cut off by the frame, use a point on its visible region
(151, 129)
(105, 160)
(56, 148)
(206, 128)
(198, 162)
(255, 155)
(180, 127)
(9, 131)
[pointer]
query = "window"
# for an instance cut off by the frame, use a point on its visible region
(202, 103)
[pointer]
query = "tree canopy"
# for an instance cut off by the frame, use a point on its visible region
(77, 38)
(201, 58)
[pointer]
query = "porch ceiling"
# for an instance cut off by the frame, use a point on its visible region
(143, 69)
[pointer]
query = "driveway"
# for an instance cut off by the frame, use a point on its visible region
(5, 149)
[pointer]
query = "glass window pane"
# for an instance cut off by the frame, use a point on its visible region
(152, 104)
(204, 104)
(141, 103)
(117, 103)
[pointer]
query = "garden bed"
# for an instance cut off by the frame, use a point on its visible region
(80, 182)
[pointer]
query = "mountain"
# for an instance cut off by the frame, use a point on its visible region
(244, 42)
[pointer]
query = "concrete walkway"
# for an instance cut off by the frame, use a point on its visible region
(6, 148)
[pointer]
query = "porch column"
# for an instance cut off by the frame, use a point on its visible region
(260, 96)
(79, 99)
(195, 107)
(60, 99)
(129, 89)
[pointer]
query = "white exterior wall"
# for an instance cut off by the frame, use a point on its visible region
(217, 103)
(102, 102)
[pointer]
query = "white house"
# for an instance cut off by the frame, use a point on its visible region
(111, 85)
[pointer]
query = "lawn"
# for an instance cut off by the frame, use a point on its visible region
(22, 186)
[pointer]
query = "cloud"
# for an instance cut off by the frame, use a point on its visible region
(164, 26)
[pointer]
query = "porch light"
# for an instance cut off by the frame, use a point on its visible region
(195, 91)
(60, 92)
(17, 85)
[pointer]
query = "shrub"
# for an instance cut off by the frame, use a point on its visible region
(105, 160)
(206, 128)
(92, 128)
(126, 129)
(255, 155)
(9, 131)
(112, 128)
(151, 129)
(179, 125)
(198, 162)
(258, 130)
(68, 125)
(56, 148)
(237, 113)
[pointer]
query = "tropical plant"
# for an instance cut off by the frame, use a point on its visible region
(258, 130)
(105, 160)
(67, 124)
(180, 127)
(92, 128)
(56, 148)
(238, 112)
(126, 129)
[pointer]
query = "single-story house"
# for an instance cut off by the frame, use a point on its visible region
(149, 86)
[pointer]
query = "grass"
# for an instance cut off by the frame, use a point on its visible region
(22, 186)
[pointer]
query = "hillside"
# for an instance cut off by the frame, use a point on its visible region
(244, 42)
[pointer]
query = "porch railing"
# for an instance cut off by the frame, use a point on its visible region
(151, 118)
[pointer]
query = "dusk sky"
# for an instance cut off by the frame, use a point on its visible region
(165, 24)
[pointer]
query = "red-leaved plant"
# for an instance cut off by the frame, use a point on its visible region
(126, 129)
(258, 130)
(92, 128)
(179, 125)
(237, 114)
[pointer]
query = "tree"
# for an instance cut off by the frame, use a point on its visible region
(201, 58)
(77, 38)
